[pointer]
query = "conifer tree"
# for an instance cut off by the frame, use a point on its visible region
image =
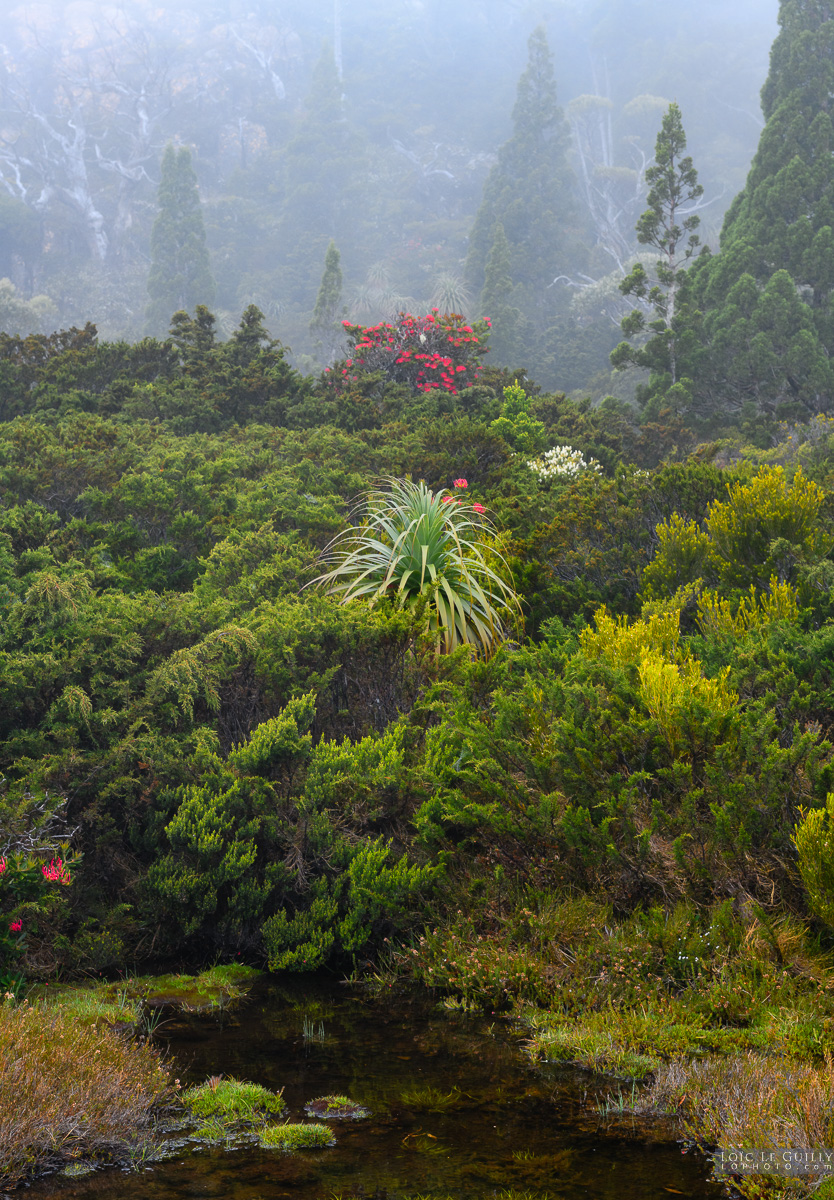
(326, 325)
(180, 277)
(322, 170)
(768, 297)
(529, 192)
(497, 306)
(668, 225)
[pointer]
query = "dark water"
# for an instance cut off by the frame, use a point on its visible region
(510, 1132)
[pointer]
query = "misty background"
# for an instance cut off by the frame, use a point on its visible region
(393, 171)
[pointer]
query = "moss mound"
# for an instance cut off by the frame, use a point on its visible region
(295, 1137)
(232, 1100)
(329, 1108)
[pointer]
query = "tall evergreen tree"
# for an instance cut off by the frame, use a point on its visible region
(530, 192)
(326, 326)
(180, 277)
(505, 343)
(321, 169)
(668, 226)
(768, 297)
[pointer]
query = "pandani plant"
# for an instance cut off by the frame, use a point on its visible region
(423, 547)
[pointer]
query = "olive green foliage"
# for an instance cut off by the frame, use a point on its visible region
(123, 1002)
(628, 995)
(603, 534)
(258, 835)
(345, 912)
(246, 766)
(429, 549)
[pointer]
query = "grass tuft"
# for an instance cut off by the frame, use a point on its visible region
(430, 1098)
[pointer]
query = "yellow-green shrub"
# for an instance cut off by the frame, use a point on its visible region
(814, 840)
(754, 611)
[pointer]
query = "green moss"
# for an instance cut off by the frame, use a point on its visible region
(232, 1100)
(215, 988)
(330, 1108)
(295, 1137)
(123, 1001)
(91, 1004)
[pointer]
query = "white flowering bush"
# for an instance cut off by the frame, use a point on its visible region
(562, 462)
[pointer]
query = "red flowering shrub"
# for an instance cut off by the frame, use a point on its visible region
(438, 351)
(25, 895)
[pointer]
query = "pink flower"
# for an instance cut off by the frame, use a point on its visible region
(56, 872)
(479, 508)
(445, 499)
(460, 483)
(15, 926)
(2, 865)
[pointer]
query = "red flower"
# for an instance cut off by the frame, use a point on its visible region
(479, 508)
(460, 483)
(15, 926)
(57, 872)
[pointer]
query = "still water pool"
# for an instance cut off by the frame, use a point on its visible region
(456, 1112)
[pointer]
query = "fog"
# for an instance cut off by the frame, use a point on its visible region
(92, 94)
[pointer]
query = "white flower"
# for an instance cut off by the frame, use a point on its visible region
(562, 462)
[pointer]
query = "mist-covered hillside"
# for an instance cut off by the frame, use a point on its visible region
(372, 125)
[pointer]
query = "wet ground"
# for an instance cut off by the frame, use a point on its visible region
(457, 1111)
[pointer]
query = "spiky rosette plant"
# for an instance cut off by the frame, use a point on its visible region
(417, 546)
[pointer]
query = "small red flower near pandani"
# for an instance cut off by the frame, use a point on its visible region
(460, 483)
(15, 926)
(479, 508)
(2, 865)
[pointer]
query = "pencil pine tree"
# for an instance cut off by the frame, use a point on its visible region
(667, 226)
(326, 326)
(180, 277)
(768, 297)
(530, 194)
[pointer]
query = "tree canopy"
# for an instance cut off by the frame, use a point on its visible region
(768, 296)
